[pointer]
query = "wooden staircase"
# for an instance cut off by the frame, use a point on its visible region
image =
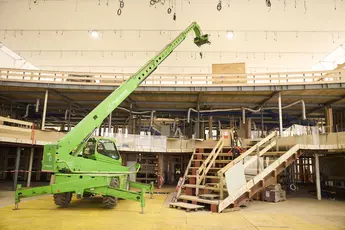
(216, 180)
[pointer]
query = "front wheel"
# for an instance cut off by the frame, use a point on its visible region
(109, 201)
(63, 199)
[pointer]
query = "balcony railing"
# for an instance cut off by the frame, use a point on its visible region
(185, 79)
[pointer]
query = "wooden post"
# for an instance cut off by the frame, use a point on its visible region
(329, 119)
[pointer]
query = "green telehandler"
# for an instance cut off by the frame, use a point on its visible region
(90, 166)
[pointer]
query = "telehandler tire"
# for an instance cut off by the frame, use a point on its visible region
(63, 199)
(109, 201)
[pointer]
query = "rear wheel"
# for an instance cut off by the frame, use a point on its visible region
(109, 201)
(63, 199)
(87, 195)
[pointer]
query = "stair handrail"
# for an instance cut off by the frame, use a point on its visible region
(245, 188)
(206, 165)
(178, 193)
(247, 153)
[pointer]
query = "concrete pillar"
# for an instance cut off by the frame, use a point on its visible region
(317, 174)
(44, 110)
(15, 180)
(280, 114)
(329, 119)
(30, 167)
(210, 125)
(248, 128)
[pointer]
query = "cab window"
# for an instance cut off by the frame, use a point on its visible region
(89, 149)
(107, 148)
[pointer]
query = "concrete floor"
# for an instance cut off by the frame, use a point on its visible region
(295, 213)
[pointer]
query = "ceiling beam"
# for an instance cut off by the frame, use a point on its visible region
(328, 103)
(69, 101)
(263, 102)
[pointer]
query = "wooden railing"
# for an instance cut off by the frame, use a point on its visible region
(207, 164)
(239, 159)
(185, 79)
(179, 186)
(258, 178)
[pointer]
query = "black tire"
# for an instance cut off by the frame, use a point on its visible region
(87, 195)
(109, 202)
(63, 199)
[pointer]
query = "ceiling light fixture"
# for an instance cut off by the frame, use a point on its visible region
(230, 34)
(94, 34)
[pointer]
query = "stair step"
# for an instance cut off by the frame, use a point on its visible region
(217, 161)
(203, 187)
(274, 153)
(220, 154)
(210, 168)
(209, 196)
(209, 177)
(197, 199)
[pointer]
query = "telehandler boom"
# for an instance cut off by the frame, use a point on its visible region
(89, 166)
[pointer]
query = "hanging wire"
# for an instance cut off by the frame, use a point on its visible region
(335, 4)
(305, 6)
(284, 5)
(29, 4)
(76, 5)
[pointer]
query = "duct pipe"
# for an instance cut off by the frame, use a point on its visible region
(27, 110)
(68, 112)
(249, 109)
(220, 110)
(292, 104)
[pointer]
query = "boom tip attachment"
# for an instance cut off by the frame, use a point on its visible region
(203, 39)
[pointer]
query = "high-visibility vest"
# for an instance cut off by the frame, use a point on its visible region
(237, 143)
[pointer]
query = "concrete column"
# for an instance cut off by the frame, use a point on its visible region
(44, 111)
(329, 119)
(280, 114)
(30, 167)
(248, 128)
(16, 169)
(210, 125)
(317, 174)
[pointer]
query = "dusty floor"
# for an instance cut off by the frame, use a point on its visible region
(295, 213)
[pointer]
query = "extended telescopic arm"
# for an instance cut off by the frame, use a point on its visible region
(74, 141)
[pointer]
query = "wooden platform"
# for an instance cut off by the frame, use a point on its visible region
(186, 206)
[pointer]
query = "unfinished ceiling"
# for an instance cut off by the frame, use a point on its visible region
(55, 34)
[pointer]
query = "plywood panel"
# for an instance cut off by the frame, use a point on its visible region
(229, 68)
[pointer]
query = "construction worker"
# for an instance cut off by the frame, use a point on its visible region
(237, 146)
